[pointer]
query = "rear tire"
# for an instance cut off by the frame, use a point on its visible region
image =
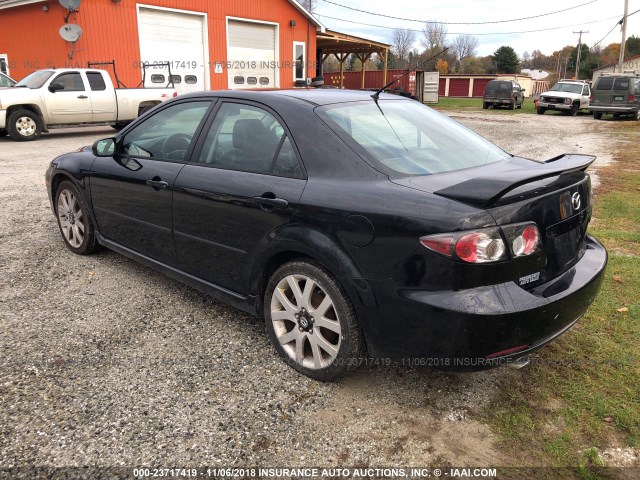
(637, 114)
(24, 125)
(540, 110)
(3, 133)
(485, 105)
(119, 126)
(311, 321)
(597, 115)
(75, 224)
(512, 105)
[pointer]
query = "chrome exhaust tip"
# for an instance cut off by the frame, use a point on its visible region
(520, 363)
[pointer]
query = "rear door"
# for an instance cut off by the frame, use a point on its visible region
(244, 182)
(72, 104)
(132, 192)
(620, 91)
(103, 98)
(602, 91)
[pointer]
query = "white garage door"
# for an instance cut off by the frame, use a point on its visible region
(177, 38)
(251, 55)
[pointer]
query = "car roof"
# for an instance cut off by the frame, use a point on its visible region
(314, 96)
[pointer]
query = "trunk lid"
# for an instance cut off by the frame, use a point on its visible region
(556, 195)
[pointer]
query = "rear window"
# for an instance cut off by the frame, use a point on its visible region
(605, 83)
(499, 86)
(621, 84)
(408, 138)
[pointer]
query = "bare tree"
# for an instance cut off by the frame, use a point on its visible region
(465, 46)
(434, 35)
(403, 41)
(309, 5)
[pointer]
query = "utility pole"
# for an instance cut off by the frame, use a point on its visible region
(624, 33)
(579, 53)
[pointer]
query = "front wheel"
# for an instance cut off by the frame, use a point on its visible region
(574, 109)
(311, 322)
(541, 110)
(24, 125)
(73, 219)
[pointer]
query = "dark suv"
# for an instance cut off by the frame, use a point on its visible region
(618, 94)
(507, 93)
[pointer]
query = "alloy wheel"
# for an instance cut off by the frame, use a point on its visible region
(71, 218)
(305, 322)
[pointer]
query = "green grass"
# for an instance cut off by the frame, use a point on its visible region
(585, 392)
(475, 104)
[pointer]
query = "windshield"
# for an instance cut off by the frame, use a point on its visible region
(409, 138)
(35, 79)
(567, 87)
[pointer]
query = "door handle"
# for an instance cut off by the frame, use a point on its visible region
(83, 97)
(268, 204)
(157, 184)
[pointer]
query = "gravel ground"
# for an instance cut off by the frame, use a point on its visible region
(105, 362)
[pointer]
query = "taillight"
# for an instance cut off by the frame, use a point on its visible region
(175, 94)
(486, 245)
(523, 238)
(481, 246)
(631, 98)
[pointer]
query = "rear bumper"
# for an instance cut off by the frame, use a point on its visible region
(554, 106)
(505, 101)
(611, 109)
(487, 326)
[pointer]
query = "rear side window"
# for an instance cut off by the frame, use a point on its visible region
(605, 83)
(621, 84)
(96, 81)
(249, 139)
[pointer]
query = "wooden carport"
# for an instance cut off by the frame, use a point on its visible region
(341, 45)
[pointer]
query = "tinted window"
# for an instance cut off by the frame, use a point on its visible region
(167, 134)
(157, 78)
(249, 139)
(621, 84)
(96, 81)
(190, 79)
(72, 82)
(264, 81)
(409, 138)
(252, 81)
(238, 80)
(585, 90)
(604, 83)
(176, 78)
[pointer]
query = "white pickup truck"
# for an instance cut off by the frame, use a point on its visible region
(62, 97)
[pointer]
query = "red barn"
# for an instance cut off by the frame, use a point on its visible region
(208, 44)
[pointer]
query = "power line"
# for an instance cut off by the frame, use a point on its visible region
(467, 33)
(456, 23)
(612, 29)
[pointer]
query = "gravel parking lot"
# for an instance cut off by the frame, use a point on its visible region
(105, 362)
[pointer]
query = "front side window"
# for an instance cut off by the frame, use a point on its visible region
(71, 82)
(249, 139)
(407, 138)
(166, 135)
(299, 61)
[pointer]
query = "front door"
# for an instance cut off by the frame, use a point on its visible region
(132, 192)
(71, 104)
(244, 182)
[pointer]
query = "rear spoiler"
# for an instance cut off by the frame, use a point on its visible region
(484, 191)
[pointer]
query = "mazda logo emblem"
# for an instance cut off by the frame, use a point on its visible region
(576, 202)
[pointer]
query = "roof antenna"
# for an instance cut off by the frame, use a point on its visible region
(376, 95)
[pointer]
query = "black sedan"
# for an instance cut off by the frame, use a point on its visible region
(358, 227)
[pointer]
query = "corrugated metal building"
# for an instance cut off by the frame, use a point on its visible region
(630, 65)
(209, 44)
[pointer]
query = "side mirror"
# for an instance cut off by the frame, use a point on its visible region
(104, 148)
(56, 87)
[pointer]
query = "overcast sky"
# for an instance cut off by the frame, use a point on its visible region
(598, 17)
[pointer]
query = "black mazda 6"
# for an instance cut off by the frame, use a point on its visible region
(358, 227)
